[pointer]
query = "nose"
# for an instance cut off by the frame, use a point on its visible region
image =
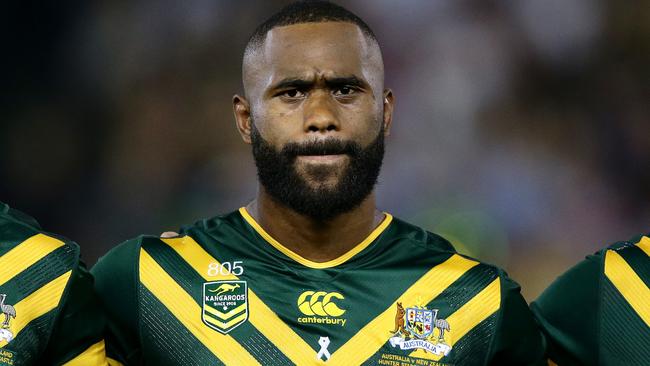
(320, 114)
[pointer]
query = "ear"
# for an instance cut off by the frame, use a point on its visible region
(241, 109)
(389, 104)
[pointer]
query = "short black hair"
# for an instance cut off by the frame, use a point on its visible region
(307, 11)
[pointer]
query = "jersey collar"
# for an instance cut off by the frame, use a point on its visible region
(311, 264)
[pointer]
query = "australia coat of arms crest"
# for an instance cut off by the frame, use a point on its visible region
(9, 312)
(420, 328)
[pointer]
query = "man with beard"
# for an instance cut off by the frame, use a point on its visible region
(310, 272)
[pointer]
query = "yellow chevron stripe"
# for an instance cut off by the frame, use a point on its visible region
(113, 362)
(644, 244)
(377, 332)
(222, 325)
(473, 312)
(188, 312)
(196, 257)
(25, 254)
(225, 316)
(94, 355)
(261, 316)
(280, 334)
(628, 283)
(39, 303)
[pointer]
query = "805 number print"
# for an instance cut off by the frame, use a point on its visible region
(226, 268)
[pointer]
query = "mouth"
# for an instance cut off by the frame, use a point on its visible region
(322, 159)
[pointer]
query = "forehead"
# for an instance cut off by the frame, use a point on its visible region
(328, 48)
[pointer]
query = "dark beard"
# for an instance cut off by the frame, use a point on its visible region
(276, 171)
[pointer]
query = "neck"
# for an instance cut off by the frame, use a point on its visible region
(315, 240)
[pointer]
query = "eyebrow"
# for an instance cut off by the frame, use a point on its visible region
(298, 83)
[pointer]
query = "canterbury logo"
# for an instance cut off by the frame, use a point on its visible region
(320, 303)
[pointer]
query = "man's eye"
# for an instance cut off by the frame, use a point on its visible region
(342, 91)
(293, 93)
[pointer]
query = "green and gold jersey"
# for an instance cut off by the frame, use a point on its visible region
(598, 313)
(49, 314)
(226, 292)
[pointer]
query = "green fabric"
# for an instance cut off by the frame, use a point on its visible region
(115, 283)
(516, 326)
(70, 328)
(79, 323)
(586, 320)
(143, 331)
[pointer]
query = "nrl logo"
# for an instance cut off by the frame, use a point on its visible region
(225, 305)
(420, 328)
(9, 312)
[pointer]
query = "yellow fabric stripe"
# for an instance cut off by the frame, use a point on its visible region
(473, 312)
(222, 325)
(311, 264)
(95, 355)
(225, 316)
(628, 283)
(644, 244)
(188, 312)
(261, 316)
(196, 257)
(25, 254)
(39, 303)
(280, 334)
(376, 333)
(113, 362)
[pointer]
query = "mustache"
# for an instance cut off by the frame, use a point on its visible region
(330, 146)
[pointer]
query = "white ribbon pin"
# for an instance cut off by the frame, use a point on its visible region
(324, 342)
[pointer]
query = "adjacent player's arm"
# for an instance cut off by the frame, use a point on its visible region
(518, 340)
(77, 337)
(567, 313)
(116, 285)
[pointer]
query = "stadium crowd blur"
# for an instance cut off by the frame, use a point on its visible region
(521, 131)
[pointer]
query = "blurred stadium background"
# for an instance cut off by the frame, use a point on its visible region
(521, 133)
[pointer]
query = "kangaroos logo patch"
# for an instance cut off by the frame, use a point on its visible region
(225, 305)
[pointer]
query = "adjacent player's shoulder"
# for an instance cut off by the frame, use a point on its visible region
(639, 245)
(125, 257)
(23, 239)
(584, 277)
(575, 310)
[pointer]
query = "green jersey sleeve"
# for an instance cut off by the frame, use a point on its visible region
(517, 340)
(569, 326)
(77, 335)
(115, 283)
